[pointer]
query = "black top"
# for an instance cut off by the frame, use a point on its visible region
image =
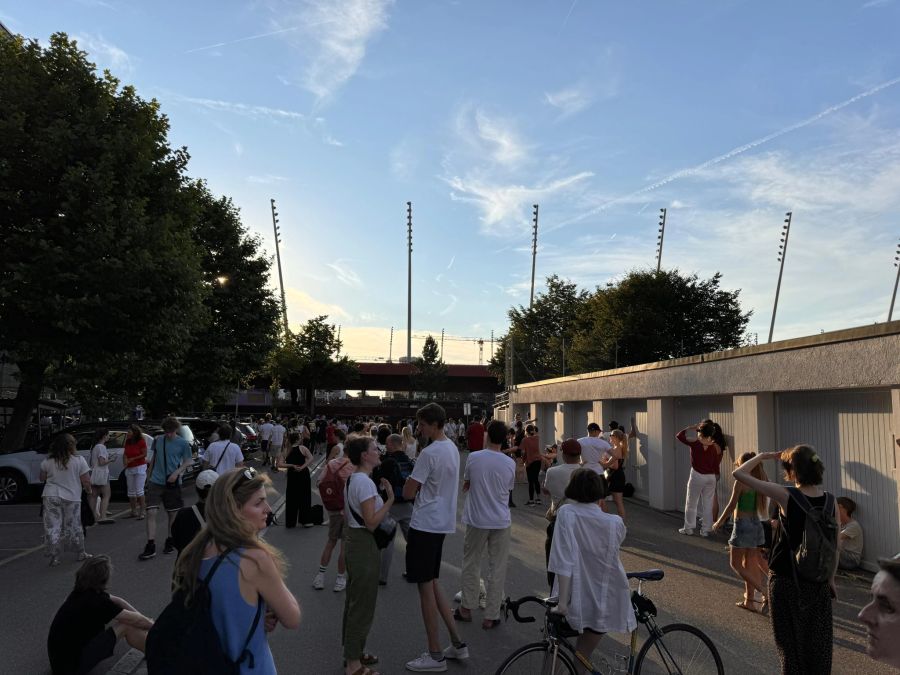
(82, 616)
(186, 526)
(782, 549)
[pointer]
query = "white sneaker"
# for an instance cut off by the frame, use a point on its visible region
(340, 583)
(319, 581)
(685, 530)
(426, 664)
(703, 533)
(458, 597)
(459, 653)
(482, 599)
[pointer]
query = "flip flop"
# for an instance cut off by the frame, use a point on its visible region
(368, 659)
(490, 624)
(743, 604)
(459, 617)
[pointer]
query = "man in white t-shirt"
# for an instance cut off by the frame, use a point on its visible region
(223, 455)
(265, 437)
(434, 484)
(488, 478)
(555, 483)
(276, 443)
(593, 447)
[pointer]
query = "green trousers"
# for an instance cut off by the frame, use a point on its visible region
(363, 565)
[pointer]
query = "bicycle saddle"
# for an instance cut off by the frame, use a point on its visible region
(649, 575)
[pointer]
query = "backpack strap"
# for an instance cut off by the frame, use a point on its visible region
(224, 450)
(199, 517)
(356, 516)
(246, 654)
(209, 575)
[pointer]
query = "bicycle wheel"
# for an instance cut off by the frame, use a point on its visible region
(536, 659)
(680, 649)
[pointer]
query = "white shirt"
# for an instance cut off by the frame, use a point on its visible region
(265, 431)
(64, 483)
(586, 548)
(410, 450)
(278, 432)
(557, 480)
(491, 476)
(223, 456)
(437, 471)
(99, 474)
(359, 488)
(592, 449)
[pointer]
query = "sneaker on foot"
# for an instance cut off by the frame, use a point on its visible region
(340, 583)
(482, 600)
(319, 581)
(460, 653)
(538, 502)
(703, 533)
(149, 551)
(426, 664)
(84, 555)
(530, 502)
(458, 597)
(54, 562)
(170, 546)
(685, 530)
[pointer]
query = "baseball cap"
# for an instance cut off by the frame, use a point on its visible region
(205, 479)
(571, 447)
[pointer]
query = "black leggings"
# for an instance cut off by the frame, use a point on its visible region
(533, 470)
(802, 624)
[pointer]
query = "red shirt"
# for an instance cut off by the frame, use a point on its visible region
(531, 447)
(704, 459)
(475, 436)
(135, 449)
(329, 435)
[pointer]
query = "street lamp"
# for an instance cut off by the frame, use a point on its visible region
(896, 281)
(222, 280)
(278, 257)
(782, 254)
(660, 235)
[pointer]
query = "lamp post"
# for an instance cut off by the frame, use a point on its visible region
(278, 257)
(534, 228)
(660, 235)
(782, 254)
(409, 281)
(896, 281)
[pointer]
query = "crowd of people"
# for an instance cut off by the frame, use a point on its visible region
(378, 479)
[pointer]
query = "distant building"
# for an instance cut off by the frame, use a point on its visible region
(4, 31)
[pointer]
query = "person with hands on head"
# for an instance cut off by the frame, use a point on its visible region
(364, 511)
(706, 455)
(881, 616)
(800, 607)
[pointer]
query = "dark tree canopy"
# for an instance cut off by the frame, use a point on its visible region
(647, 316)
(431, 372)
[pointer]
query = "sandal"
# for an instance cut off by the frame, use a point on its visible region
(459, 617)
(368, 659)
(747, 604)
(365, 670)
(489, 624)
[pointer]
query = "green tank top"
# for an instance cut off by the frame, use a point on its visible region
(747, 501)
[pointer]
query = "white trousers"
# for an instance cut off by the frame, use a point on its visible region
(700, 489)
(497, 544)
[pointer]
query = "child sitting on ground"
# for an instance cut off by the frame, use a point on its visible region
(850, 540)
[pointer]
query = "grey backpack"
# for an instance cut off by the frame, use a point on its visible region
(815, 557)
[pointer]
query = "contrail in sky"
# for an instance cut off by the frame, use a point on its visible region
(255, 37)
(735, 152)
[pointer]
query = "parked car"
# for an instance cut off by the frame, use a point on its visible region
(20, 470)
(204, 428)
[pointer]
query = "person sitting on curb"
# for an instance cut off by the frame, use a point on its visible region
(87, 626)
(850, 539)
(189, 520)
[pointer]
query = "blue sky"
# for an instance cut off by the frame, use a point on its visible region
(726, 113)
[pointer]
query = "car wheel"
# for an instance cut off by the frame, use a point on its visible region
(12, 486)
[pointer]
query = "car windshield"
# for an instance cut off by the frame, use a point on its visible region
(186, 433)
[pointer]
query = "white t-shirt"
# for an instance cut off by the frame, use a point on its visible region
(557, 480)
(223, 456)
(278, 432)
(592, 449)
(265, 431)
(437, 471)
(99, 474)
(491, 476)
(358, 489)
(64, 483)
(340, 450)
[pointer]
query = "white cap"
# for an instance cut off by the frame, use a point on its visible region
(205, 479)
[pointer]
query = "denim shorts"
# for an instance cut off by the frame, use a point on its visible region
(747, 533)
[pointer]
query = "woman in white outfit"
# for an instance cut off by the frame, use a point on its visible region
(66, 474)
(410, 445)
(706, 454)
(593, 590)
(100, 461)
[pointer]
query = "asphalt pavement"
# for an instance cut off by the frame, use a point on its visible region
(699, 588)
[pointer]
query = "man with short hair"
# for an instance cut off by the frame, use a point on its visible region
(396, 466)
(172, 455)
(593, 447)
(276, 444)
(224, 455)
(555, 482)
(475, 435)
(488, 478)
(265, 437)
(433, 484)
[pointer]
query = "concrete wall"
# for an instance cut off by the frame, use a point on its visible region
(839, 391)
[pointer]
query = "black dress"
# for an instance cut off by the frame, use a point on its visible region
(297, 497)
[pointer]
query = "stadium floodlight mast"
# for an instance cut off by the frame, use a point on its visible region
(278, 257)
(534, 228)
(782, 254)
(896, 282)
(660, 235)
(409, 282)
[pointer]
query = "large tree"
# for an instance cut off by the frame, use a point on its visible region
(99, 280)
(430, 370)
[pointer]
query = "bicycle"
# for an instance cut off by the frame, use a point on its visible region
(674, 649)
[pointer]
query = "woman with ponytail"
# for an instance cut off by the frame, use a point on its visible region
(706, 453)
(251, 570)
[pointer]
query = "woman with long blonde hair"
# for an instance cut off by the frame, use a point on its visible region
(410, 445)
(242, 571)
(747, 536)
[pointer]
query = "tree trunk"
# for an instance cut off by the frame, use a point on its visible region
(310, 400)
(294, 397)
(31, 380)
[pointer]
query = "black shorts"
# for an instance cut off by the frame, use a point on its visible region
(169, 495)
(423, 556)
(616, 481)
(100, 648)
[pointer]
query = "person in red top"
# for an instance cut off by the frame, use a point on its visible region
(330, 438)
(531, 451)
(136, 469)
(706, 454)
(475, 435)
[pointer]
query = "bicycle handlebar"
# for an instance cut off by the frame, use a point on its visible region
(513, 606)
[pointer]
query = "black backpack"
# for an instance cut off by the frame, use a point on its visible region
(396, 467)
(184, 640)
(816, 556)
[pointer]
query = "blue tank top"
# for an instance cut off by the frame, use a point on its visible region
(232, 616)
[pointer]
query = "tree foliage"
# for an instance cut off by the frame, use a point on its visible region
(647, 316)
(430, 371)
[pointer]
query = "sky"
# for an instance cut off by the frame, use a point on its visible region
(728, 114)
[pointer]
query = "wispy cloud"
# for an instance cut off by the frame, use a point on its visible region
(267, 179)
(217, 45)
(302, 306)
(333, 35)
(490, 136)
(105, 54)
(570, 100)
(345, 274)
(876, 3)
(243, 109)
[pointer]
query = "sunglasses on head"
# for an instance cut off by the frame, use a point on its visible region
(247, 474)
